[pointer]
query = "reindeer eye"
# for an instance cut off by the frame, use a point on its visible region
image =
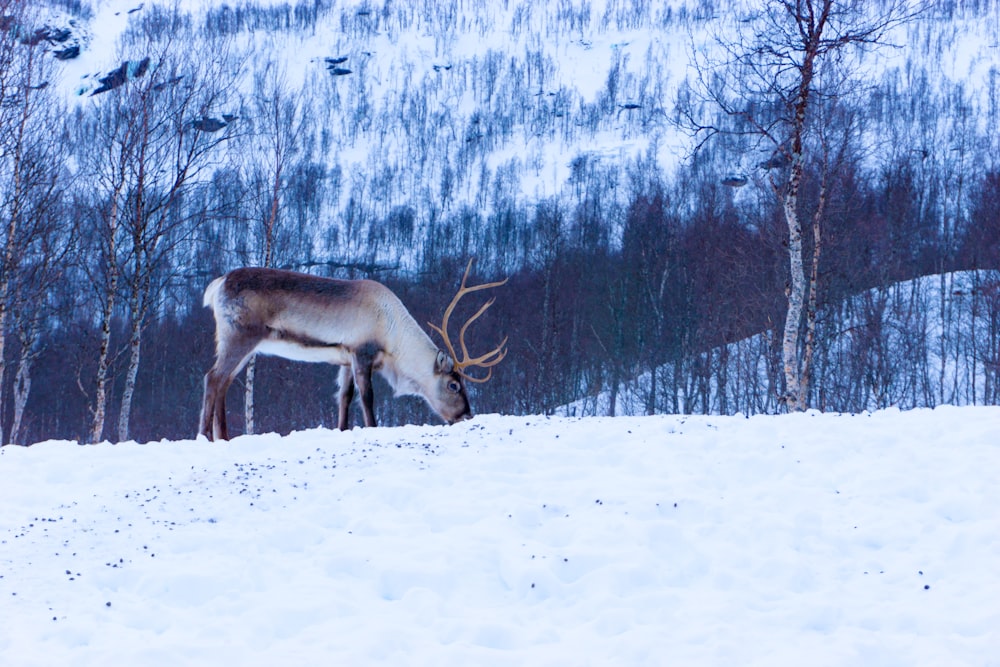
(454, 387)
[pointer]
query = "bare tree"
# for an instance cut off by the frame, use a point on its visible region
(29, 176)
(105, 143)
(41, 269)
(151, 141)
(779, 64)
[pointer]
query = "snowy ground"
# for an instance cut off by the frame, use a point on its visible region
(792, 540)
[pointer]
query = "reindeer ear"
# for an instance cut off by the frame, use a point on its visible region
(444, 363)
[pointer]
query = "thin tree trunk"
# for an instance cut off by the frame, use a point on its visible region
(103, 357)
(135, 349)
(22, 387)
(5, 287)
(138, 302)
(651, 395)
(810, 342)
(794, 399)
(22, 379)
(722, 379)
(4, 290)
(248, 396)
(101, 397)
(542, 372)
(139, 224)
(796, 295)
(613, 397)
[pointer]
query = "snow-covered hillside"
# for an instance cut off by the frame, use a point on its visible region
(461, 91)
(920, 342)
(780, 541)
(445, 104)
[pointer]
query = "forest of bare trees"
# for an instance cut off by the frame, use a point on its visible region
(636, 284)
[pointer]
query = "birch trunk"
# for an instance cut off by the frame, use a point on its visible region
(248, 393)
(795, 400)
(101, 396)
(22, 387)
(810, 343)
(22, 379)
(135, 350)
(103, 358)
(5, 289)
(796, 296)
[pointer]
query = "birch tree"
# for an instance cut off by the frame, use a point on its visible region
(152, 140)
(100, 204)
(29, 185)
(768, 73)
(50, 246)
(278, 125)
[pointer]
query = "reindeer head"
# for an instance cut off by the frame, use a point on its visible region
(451, 401)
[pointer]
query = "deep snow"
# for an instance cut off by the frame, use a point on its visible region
(815, 539)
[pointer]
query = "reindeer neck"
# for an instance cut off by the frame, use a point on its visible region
(409, 356)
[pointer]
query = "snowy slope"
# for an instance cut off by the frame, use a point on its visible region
(485, 92)
(801, 539)
(936, 325)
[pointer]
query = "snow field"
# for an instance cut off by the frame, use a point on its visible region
(868, 539)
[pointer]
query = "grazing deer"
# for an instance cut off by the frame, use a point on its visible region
(359, 325)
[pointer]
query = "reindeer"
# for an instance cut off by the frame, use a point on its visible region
(359, 325)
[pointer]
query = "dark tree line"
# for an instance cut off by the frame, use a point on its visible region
(634, 287)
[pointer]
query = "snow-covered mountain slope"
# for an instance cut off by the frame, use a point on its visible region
(447, 103)
(800, 539)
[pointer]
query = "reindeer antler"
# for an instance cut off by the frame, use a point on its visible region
(488, 360)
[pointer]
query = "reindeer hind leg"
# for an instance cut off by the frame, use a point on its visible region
(232, 355)
(208, 406)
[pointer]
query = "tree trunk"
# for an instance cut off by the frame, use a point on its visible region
(613, 397)
(22, 387)
(810, 342)
(248, 393)
(101, 397)
(794, 398)
(138, 302)
(6, 269)
(22, 379)
(796, 296)
(103, 357)
(135, 349)
(4, 290)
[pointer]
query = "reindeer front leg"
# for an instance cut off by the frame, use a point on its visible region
(363, 365)
(346, 395)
